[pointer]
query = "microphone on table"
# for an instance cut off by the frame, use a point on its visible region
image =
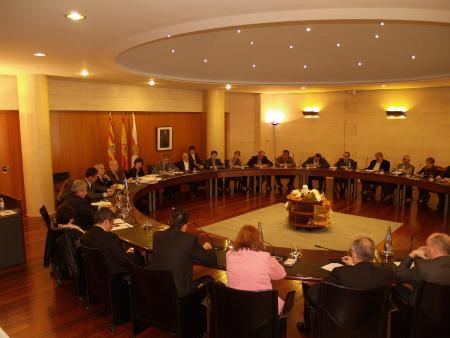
(322, 247)
(205, 233)
(260, 230)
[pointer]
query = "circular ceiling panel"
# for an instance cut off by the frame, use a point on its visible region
(317, 52)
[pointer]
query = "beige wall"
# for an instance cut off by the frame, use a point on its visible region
(8, 93)
(244, 123)
(358, 123)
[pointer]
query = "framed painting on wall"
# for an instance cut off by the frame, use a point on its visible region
(163, 138)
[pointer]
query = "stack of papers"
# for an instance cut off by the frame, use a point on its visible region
(121, 226)
(7, 212)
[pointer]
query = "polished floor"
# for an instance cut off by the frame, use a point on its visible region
(31, 305)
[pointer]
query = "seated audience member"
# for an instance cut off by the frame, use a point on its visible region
(102, 237)
(194, 158)
(445, 178)
(431, 263)
(65, 217)
(102, 178)
(379, 164)
(403, 168)
(358, 272)
(285, 161)
(316, 161)
(429, 171)
(235, 162)
(175, 250)
(249, 267)
(65, 191)
(164, 166)
(261, 161)
(95, 191)
(84, 211)
(213, 161)
(137, 169)
(345, 162)
(114, 174)
(184, 164)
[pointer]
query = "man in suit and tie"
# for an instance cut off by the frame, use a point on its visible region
(431, 263)
(379, 164)
(346, 163)
(94, 190)
(358, 272)
(316, 161)
(261, 161)
(194, 158)
(187, 166)
(164, 166)
(175, 250)
(102, 237)
(114, 174)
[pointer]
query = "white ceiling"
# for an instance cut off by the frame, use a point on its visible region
(104, 42)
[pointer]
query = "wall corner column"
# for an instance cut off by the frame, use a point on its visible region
(215, 122)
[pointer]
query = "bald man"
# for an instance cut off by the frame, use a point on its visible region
(431, 263)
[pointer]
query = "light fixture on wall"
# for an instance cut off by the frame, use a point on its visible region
(311, 113)
(396, 113)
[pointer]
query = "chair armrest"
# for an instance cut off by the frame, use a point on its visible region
(288, 304)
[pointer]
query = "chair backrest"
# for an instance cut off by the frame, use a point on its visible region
(351, 313)
(431, 312)
(97, 274)
(47, 219)
(154, 297)
(243, 314)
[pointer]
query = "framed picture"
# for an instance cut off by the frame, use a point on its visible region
(163, 138)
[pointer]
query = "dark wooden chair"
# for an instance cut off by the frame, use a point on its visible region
(154, 302)
(350, 313)
(248, 314)
(51, 257)
(431, 311)
(101, 285)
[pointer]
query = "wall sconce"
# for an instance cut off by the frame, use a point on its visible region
(396, 113)
(311, 113)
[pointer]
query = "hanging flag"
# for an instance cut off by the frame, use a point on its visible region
(123, 146)
(134, 143)
(111, 141)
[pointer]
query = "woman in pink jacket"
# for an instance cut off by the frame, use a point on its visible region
(249, 267)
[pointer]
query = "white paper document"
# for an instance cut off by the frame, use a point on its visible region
(122, 226)
(102, 204)
(331, 266)
(7, 212)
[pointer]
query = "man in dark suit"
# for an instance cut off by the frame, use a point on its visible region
(194, 158)
(102, 237)
(84, 211)
(431, 263)
(379, 164)
(213, 161)
(345, 162)
(114, 174)
(175, 250)
(95, 191)
(359, 272)
(103, 179)
(316, 161)
(185, 165)
(261, 161)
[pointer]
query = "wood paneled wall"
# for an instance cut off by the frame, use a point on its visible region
(80, 138)
(11, 155)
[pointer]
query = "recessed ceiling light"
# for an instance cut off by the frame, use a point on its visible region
(308, 29)
(381, 23)
(238, 31)
(169, 36)
(84, 72)
(253, 66)
(303, 88)
(151, 82)
(291, 46)
(252, 43)
(376, 36)
(228, 86)
(359, 63)
(39, 54)
(305, 66)
(413, 57)
(75, 16)
(205, 60)
(338, 45)
(383, 86)
(173, 51)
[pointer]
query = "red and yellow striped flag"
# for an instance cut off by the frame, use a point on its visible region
(111, 141)
(123, 146)
(134, 143)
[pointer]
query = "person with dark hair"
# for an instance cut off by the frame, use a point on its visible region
(316, 161)
(194, 158)
(94, 190)
(261, 161)
(429, 171)
(249, 267)
(235, 162)
(65, 216)
(65, 191)
(369, 188)
(358, 272)
(164, 166)
(345, 162)
(213, 161)
(137, 169)
(175, 250)
(285, 161)
(102, 237)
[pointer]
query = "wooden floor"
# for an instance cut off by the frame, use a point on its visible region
(31, 305)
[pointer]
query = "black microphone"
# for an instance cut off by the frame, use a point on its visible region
(322, 247)
(205, 233)
(260, 229)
